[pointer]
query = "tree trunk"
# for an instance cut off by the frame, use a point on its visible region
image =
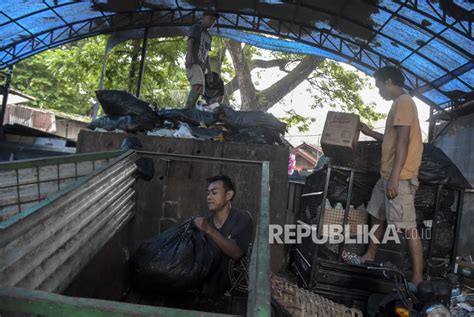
(248, 94)
(251, 98)
(134, 64)
(284, 86)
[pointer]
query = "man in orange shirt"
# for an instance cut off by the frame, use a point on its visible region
(393, 195)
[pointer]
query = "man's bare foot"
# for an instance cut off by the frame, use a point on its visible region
(366, 257)
(416, 280)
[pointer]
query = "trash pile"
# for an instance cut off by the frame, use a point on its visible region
(125, 113)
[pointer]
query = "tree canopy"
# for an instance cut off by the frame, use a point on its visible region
(66, 78)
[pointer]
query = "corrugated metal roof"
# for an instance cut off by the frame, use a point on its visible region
(431, 40)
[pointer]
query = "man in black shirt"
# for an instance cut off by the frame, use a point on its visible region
(197, 56)
(230, 229)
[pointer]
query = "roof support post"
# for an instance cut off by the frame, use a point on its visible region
(4, 91)
(101, 82)
(142, 62)
(431, 126)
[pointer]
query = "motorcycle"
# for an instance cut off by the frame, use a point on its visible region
(431, 299)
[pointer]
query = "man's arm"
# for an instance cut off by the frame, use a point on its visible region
(189, 52)
(369, 132)
(401, 153)
(227, 246)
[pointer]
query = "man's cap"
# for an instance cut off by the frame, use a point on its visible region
(211, 13)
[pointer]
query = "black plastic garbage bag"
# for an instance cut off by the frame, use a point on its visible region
(116, 102)
(127, 123)
(261, 135)
(437, 168)
(237, 120)
(145, 168)
(204, 133)
(176, 260)
(192, 116)
(131, 143)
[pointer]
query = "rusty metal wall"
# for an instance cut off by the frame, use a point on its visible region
(47, 246)
(33, 118)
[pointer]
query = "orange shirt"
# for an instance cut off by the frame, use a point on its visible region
(402, 113)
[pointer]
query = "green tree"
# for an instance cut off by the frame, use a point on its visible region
(65, 78)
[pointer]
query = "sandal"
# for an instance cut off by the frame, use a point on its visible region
(350, 258)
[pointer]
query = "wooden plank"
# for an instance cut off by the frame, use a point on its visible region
(8, 178)
(7, 212)
(67, 170)
(84, 168)
(48, 173)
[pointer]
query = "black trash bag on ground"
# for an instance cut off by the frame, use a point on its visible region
(176, 260)
(236, 120)
(145, 168)
(437, 168)
(116, 102)
(127, 123)
(259, 135)
(131, 143)
(192, 116)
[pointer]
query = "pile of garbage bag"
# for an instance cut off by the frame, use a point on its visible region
(436, 168)
(124, 112)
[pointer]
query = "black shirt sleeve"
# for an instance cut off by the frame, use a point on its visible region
(195, 32)
(242, 230)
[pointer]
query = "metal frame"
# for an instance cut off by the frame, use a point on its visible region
(37, 163)
(284, 28)
(5, 90)
(315, 259)
(459, 199)
(49, 304)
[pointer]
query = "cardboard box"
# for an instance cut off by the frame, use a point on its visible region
(340, 135)
(465, 268)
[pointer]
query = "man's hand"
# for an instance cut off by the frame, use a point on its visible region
(367, 131)
(364, 128)
(392, 188)
(202, 224)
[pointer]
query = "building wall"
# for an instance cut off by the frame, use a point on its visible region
(457, 142)
(68, 128)
(302, 164)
